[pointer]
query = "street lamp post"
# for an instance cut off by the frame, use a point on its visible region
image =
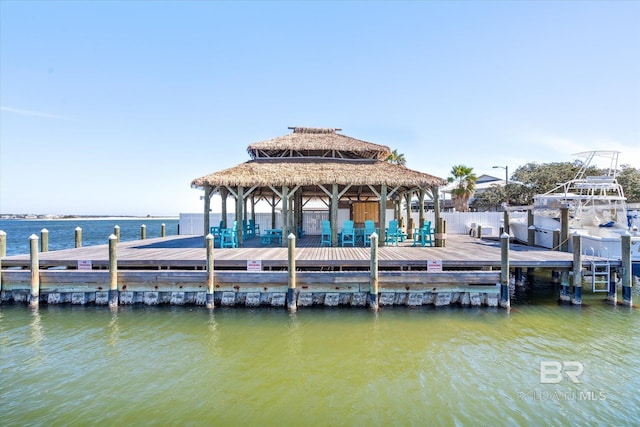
(506, 173)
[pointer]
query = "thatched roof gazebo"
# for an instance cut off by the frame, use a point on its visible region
(316, 163)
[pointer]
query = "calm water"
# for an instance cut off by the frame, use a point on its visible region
(71, 365)
(94, 231)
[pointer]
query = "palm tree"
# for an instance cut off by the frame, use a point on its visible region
(465, 181)
(397, 158)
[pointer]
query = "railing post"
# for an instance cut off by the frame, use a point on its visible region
(626, 270)
(34, 266)
(291, 292)
(113, 272)
(373, 280)
(577, 269)
(210, 283)
(44, 240)
(78, 237)
(504, 270)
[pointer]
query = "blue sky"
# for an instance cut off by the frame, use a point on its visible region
(114, 107)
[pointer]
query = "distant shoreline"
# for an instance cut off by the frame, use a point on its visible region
(81, 217)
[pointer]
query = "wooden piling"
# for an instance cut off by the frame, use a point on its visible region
(163, 230)
(506, 222)
(556, 240)
(479, 232)
(34, 266)
(373, 275)
(564, 229)
(116, 232)
(519, 276)
(291, 291)
(3, 244)
(531, 235)
(210, 282)
(626, 270)
(565, 296)
(577, 269)
(143, 232)
(612, 295)
(113, 272)
(44, 240)
(78, 237)
(504, 270)
(3, 252)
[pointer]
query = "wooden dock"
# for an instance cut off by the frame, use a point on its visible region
(188, 252)
(173, 270)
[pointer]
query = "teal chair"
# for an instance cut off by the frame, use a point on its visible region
(424, 235)
(255, 228)
(348, 235)
(369, 229)
(216, 231)
(393, 234)
(229, 236)
(326, 233)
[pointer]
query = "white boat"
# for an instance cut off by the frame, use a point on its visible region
(597, 210)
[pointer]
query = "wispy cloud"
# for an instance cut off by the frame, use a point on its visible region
(31, 113)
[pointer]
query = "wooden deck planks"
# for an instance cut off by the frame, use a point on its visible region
(176, 252)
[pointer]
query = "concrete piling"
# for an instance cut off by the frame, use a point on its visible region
(577, 269)
(34, 266)
(291, 291)
(113, 272)
(373, 275)
(626, 270)
(504, 270)
(210, 283)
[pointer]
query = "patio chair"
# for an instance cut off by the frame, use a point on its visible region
(369, 229)
(255, 228)
(348, 235)
(301, 232)
(215, 231)
(229, 236)
(326, 233)
(248, 231)
(424, 235)
(393, 233)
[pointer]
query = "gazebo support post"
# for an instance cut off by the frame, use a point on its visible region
(239, 213)
(208, 190)
(421, 208)
(436, 213)
(334, 215)
(285, 215)
(224, 194)
(383, 214)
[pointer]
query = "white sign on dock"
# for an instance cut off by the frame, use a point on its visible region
(434, 265)
(84, 264)
(254, 265)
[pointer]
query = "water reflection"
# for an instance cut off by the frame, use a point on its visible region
(213, 333)
(36, 336)
(294, 336)
(114, 333)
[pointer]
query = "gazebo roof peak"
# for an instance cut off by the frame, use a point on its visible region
(317, 142)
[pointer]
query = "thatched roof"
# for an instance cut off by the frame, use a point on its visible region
(317, 142)
(309, 172)
(314, 157)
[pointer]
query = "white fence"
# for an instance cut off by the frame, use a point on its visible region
(457, 222)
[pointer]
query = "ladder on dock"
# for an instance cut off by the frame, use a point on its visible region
(600, 270)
